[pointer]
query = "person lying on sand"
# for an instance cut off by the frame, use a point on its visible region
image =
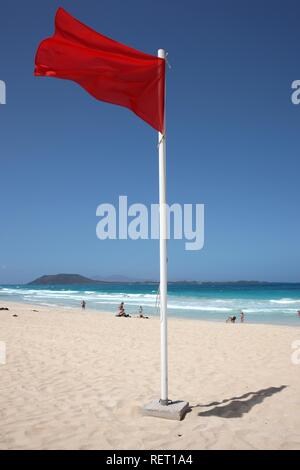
(121, 312)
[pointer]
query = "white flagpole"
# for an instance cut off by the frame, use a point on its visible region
(164, 408)
(163, 260)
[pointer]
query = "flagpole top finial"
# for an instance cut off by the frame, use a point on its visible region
(161, 53)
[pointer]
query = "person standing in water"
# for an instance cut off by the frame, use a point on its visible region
(242, 316)
(83, 304)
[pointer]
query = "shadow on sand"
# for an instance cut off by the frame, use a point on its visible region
(236, 407)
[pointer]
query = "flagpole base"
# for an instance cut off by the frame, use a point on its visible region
(165, 402)
(175, 410)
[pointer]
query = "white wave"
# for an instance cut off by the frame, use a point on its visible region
(285, 301)
(68, 298)
(201, 308)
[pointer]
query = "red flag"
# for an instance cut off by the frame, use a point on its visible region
(108, 70)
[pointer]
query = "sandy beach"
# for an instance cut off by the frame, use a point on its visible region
(78, 380)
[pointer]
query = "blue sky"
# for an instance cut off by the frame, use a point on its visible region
(233, 142)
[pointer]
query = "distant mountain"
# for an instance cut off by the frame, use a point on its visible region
(58, 279)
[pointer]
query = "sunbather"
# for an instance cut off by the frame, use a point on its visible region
(121, 312)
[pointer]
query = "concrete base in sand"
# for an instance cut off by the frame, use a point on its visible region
(174, 410)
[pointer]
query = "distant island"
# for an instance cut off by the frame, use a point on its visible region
(59, 279)
(77, 279)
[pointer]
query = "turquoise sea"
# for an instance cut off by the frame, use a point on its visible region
(262, 303)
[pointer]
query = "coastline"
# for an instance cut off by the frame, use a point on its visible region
(171, 315)
(76, 380)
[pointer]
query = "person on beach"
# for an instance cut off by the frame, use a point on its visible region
(298, 313)
(231, 319)
(121, 312)
(141, 313)
(83, 304)
(242, 316)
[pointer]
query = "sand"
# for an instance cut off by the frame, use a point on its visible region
(77, 380)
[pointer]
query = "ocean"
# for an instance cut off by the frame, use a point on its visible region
(262, 303)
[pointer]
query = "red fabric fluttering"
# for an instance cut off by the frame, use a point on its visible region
(107, 69)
